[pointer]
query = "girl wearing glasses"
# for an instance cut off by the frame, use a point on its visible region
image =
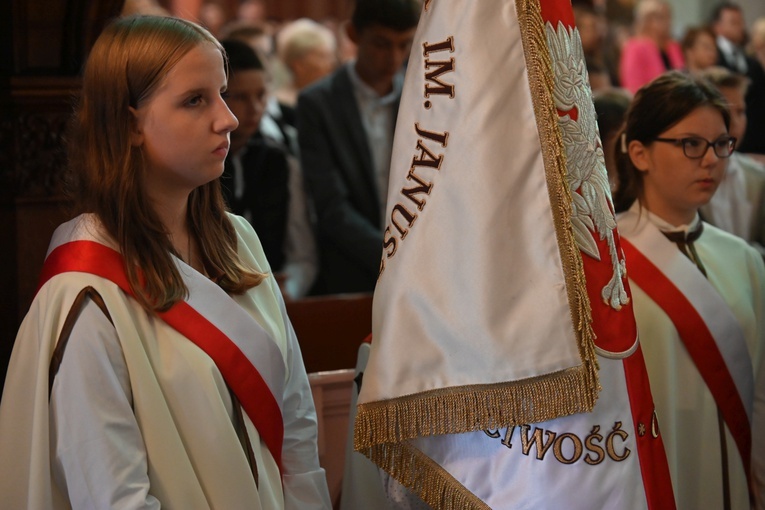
(699, 294)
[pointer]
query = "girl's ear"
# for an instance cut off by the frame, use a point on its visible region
(638, 154)
(136, 129)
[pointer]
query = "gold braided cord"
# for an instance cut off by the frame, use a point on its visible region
(541, 82)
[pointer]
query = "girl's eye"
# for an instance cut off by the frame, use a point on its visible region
(194, 100)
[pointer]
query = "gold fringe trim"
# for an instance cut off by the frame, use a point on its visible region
(382, 429)
(472, 408)
(419, 473)
(541, 82)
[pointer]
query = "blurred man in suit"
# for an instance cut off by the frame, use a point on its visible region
(345, 126)
(728, 24)
(730, 30)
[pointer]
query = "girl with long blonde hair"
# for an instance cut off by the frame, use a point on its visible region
(157, 365)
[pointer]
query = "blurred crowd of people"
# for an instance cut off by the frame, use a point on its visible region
(622, 60)
(327, 96)
(292, 124)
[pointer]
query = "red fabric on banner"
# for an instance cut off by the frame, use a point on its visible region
(653, 460)
(615, 330)
(248, 385)
(554, 11)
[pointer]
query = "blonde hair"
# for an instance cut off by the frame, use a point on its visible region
(645, 8)
(300, 37)
(758, 34)
(106, 173)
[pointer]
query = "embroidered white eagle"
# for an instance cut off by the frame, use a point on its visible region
(592, 206)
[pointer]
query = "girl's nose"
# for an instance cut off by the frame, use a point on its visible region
(225, 122)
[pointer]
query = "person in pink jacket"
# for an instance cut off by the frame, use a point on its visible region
(652, 51)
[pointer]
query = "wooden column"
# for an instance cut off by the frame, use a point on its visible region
(43, 45)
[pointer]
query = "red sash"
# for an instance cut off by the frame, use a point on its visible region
(241, 376)
(700, 344)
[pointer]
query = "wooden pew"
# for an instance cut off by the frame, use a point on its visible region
(331, 328)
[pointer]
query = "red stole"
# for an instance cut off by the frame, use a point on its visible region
(701, 344)
(252, 390)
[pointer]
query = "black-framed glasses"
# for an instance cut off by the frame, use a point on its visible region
(695, 147)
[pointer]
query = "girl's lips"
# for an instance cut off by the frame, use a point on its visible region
(222, 150)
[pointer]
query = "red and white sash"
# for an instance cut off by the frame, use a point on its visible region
(710, 332)
(248, 358)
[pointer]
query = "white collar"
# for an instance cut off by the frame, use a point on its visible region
(726, 46)
(662, 224)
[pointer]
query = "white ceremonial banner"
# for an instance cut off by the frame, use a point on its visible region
(502, 277)
(472, 250)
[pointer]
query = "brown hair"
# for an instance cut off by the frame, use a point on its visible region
(693, 33)
(106, 173)
(724, 78)
(655, 108)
